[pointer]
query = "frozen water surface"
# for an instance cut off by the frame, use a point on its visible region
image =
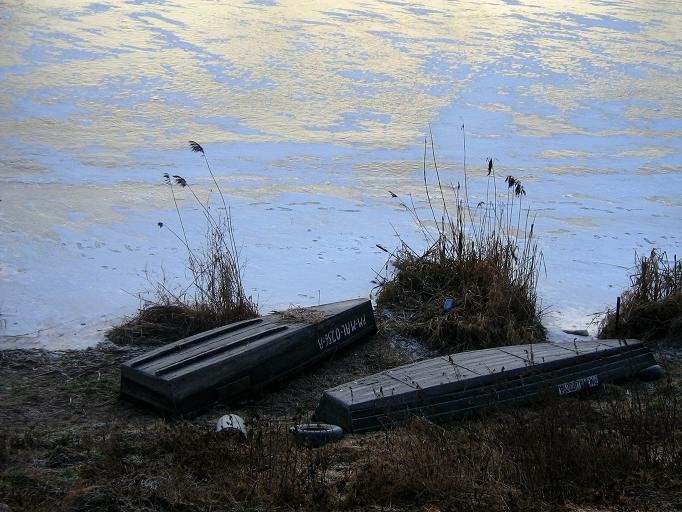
(310, 112)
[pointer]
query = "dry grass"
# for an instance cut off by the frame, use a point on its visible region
(484, 258)
(620, 448)
(163, 466)
(565, 451)
(298, 315)
(167, 319)
(651, 309)
(215, 295)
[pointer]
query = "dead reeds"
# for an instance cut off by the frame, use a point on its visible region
(651, 309)
(475, 284)
(215, 295)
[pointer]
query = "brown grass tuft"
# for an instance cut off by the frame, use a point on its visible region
(165, 322)
(215, 295)
(651, 309)
(485, 259)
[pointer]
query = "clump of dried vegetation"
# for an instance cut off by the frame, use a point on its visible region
(622, 447)
(297, 314)
(651, 309)
(475, 286)
(565, 451)
(215, 295)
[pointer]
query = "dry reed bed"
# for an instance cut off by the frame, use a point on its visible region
(651, 309)
(215, 294)
(484, 258)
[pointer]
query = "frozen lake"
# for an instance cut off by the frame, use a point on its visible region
(310, 112)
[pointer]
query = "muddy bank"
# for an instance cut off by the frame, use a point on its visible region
(42, 387)
(68, 443)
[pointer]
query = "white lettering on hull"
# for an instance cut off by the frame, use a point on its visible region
(337, 334)
(574, 386)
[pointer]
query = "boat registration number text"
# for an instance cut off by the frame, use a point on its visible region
(574, 386)
(337, 334)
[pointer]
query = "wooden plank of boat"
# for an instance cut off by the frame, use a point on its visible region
(229, 362)
(478, 381)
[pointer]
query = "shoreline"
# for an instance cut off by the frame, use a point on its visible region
(76, 336)
(297, 246)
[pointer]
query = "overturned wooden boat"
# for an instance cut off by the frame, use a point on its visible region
(479, 381)
(235, 360)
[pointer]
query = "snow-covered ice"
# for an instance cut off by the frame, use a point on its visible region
(309, 114)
